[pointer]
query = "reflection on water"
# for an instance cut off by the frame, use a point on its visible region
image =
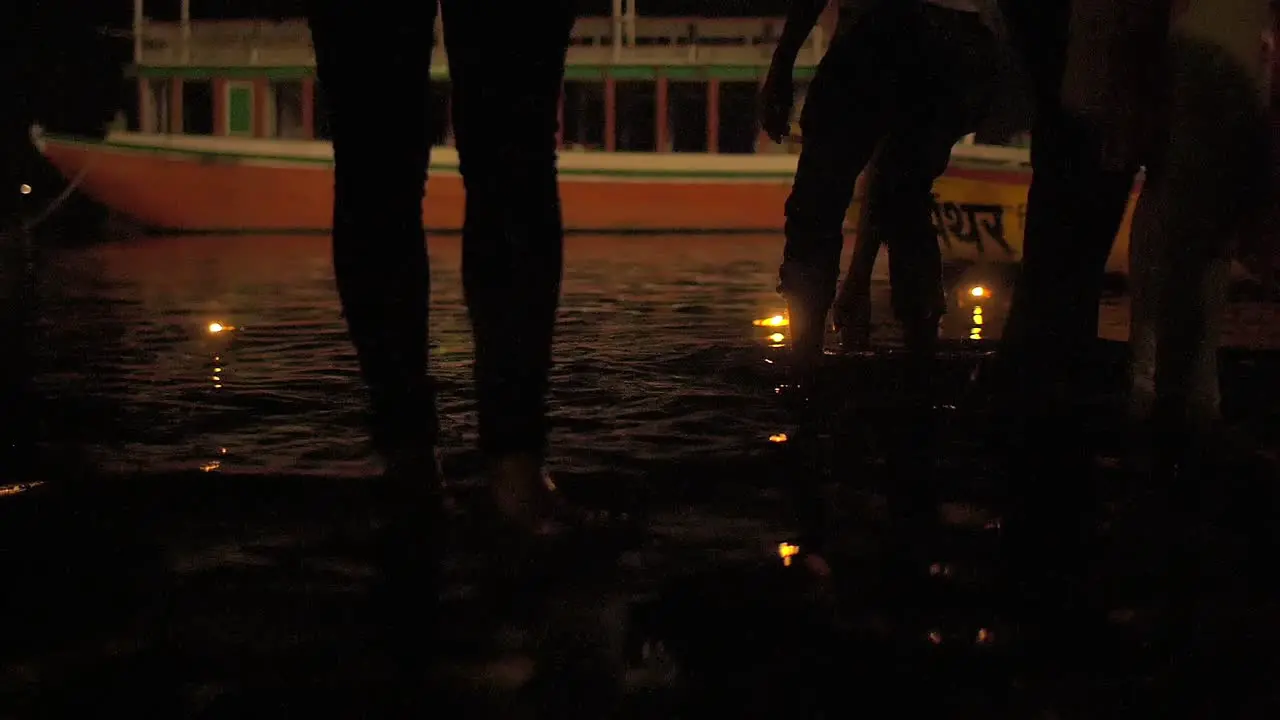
(975, 332)
(229, 353)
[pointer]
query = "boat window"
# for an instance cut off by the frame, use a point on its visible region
(285, 112)
(132, 106)
(441, 123)
(197, 107)
(636, 116)
(583, 115)
(739, 130)
(687, 116)
(320, 111)
(158, 95)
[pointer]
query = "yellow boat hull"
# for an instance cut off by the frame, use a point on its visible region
(981, 218)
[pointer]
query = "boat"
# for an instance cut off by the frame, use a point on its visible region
(227, 134)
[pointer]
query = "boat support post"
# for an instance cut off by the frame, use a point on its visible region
(137, 31)
(185, 18)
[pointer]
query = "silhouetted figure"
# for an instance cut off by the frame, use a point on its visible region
(1207, 186)
(907, 78)
(902, 81)
(851, 311)
(1075, 206)
(1006, 113)
(506, 64)
(1114, 92)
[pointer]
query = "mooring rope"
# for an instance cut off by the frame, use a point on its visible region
(62, 197)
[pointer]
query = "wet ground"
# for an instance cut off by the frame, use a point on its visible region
(204, 550)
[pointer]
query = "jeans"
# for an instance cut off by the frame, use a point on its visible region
(506, 79)
(909, 80)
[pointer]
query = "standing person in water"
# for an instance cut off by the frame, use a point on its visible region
(1006, 113)
(1083, 174)
(902, 81)
(1173, 85)
(1207, 194)
(907, 78)
(506, 73)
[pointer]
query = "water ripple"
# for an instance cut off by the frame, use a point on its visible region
(657, 359)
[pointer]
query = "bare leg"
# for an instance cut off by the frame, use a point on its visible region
(1177, 295)
(1208, 187)
(852, 310)
(1205, 396)
(840, 136)
(1145, 273)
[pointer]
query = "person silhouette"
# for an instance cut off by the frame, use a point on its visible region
(1208, 189)
(1119, 86)
(903, 81)
(506, 77)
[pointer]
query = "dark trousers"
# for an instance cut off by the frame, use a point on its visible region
(906, 79)
(1074, 210)
(506, 63)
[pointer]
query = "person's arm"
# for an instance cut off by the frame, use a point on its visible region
(778, 94)
(801, 17)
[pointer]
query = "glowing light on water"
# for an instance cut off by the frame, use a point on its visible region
(779, 438)
(777, 337)
(19, 488)
(775, 321)
(216, 328)
(786, 551)
(978, 291)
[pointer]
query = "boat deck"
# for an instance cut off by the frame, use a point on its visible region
(668, 42)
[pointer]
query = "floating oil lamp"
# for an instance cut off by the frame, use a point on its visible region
(774, 321)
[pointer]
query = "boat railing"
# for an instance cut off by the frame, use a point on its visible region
(655, 41)
(683, 31)
(227, 42)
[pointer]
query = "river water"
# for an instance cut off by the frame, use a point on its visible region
(658, 357)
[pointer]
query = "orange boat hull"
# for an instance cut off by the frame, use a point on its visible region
(218, 184)
(210, 193)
